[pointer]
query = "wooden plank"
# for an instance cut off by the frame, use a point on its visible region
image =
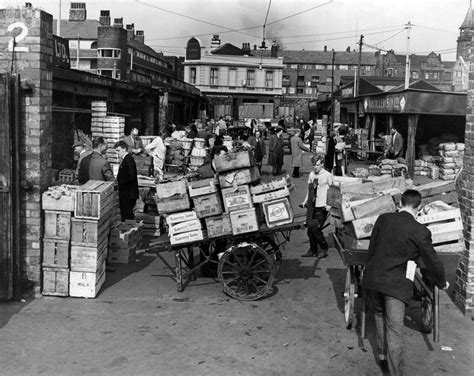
(269, 196)
(362, 228)
(379, 205)
(56, 253)
(268, 187)
(446, 236)
(448, 198)
(346, 209)
(375, 187)
(439, 228)
(57, 224)
(454, 214)
(451, 247)
(435, 188)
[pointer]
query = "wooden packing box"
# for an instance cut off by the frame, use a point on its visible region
(270, 196)
(173, 204)
(218, 226)
(234, 161)
(187, 237)
(125, 234)
(446, 230)
(63, 203)
(178, 228)
(208, 205)
(88, 259)
(277, 212)
(243, 221)
(202, 187)
(57, 224)
(180, 217)
(56, 253)
(94, 199)
(378, 205)
(88, 232)
(86, 285)
(353, 244)
(237, 198)
(120, 257)
(361, 228)
(171, 190)
(55, 281)
(269, 187)
(240, 177)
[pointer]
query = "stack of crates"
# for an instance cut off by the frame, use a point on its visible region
(94, 205)
(58, 205)
(125, 238)
(320, 138)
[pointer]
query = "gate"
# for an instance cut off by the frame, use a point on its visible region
(10, 261)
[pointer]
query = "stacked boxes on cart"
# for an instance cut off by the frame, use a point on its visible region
(224, 205)
(125, 239)
(320, 139)
(356, 205)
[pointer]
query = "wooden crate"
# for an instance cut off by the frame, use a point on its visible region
(218, 226)
(88, 232)
(361, 228)
(240, 177)
(171, 190)
(187, 237)
(56, 253)
(208, 205)
(446, 230)
(187, 226)
(180, 217)
(277, 212)
(237, 198)
(88, 259)
(86, 285)
(244, 221)
(234, 161)
(67, 176)
(269, 187)
(63, 203)
(270, 196)
(172, 204)
(55, 281)
(57, 224)
(378, 205)
(94, 199)
(202, 187)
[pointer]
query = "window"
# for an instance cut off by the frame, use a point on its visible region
(320, 66)
(300, 81)
(308, 90)
(114, 53)
(294, 66)
(232, 77)
(292, 90)
(308, 66)
(414, 75)
(251, 78)
(74, 64)
(328, 80)
(113, 73)
(343, 67)
(73, 44)
(214, 79)
(283, 90)
(192, 75)
(367, 68)
(299, 91)
(314, 79)
(269, 79)
(286, 77)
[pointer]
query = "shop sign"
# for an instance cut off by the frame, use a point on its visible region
(389, 103)
(347, 92)
(61, 57)
(193, 50)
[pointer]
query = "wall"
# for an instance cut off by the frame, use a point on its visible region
(33, 61)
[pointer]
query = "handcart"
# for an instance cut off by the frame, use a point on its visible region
(246, 263)
(355, 261)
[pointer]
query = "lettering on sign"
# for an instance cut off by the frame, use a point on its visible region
(13, 43)
(61, 57)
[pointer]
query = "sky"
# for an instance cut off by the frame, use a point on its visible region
(295, 24)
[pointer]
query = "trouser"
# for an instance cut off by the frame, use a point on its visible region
(276, 169)
(315, 233)
(389, 314)
(126, 208)
(296, 172)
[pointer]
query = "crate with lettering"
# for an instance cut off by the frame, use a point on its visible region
(237, 198)
(208, 205)
(277, 212)
(86, 284)
(244, 221)
(88, 259)
(172, 197)
(218, 226)
(94, 199)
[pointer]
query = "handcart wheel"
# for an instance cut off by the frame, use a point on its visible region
(426, 315)
(246, 271)
(349, 297)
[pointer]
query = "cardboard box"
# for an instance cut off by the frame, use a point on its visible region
(187, 226)
(208, 205)
(234, 161)
(239, 177)
(270, 196)
(218, 226)
(173, 204)
(170, 190)
(202, 187)
(180, 217)
(187, 237)
(243, 221)
(268, 187)
(277, 212)
(237, 198)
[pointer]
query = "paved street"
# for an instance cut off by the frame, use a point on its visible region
(140, 325)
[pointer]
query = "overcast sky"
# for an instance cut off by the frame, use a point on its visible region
(298, 24)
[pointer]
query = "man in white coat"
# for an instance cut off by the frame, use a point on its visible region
(157, 150)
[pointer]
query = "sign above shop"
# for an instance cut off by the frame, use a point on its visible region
(388, 103)
(61, 57)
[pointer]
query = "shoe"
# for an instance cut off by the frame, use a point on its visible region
(323, 254)
(310, 254)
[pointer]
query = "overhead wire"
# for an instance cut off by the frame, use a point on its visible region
(390, 37)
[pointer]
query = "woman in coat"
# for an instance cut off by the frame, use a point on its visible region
(297, 148)
(275, 152)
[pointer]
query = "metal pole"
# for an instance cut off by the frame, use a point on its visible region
(332, 89)
(356, 117)
(78, 49)
(407, 62)
(58, 28)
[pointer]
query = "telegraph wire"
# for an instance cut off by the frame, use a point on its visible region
(304, 11)
(390, 37)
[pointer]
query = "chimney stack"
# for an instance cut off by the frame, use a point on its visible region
(246, 48)
(274, 49)
(104, 18)
(118, 22)
(140, 36)
(130, 31)
(325, 48)
(215, 41)
(78, 12)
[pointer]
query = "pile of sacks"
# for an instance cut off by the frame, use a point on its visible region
(174, 152)
(427, 166)
(393, 167)
(452, 155)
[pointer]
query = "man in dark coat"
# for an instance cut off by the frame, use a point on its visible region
(95, 166)
(397, 242)
(127, 181)
(275, 151)
(396, 149)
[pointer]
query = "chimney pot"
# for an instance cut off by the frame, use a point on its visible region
(325, 48)
(104, 17)
(118, 22)
(78, 12)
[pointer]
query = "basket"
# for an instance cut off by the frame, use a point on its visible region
(199, 143)
(196, 161)
(198, 152)
(186, 143)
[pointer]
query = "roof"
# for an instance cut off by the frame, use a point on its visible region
(324, 57)
(468, 20)
(228, 49)
(365, 87)
(144, 48)
(419, 84)
(72, 29)
(375, 80)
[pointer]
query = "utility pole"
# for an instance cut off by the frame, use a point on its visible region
(332, 89)
(407, 63)
(59, 21)
(357, 91)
